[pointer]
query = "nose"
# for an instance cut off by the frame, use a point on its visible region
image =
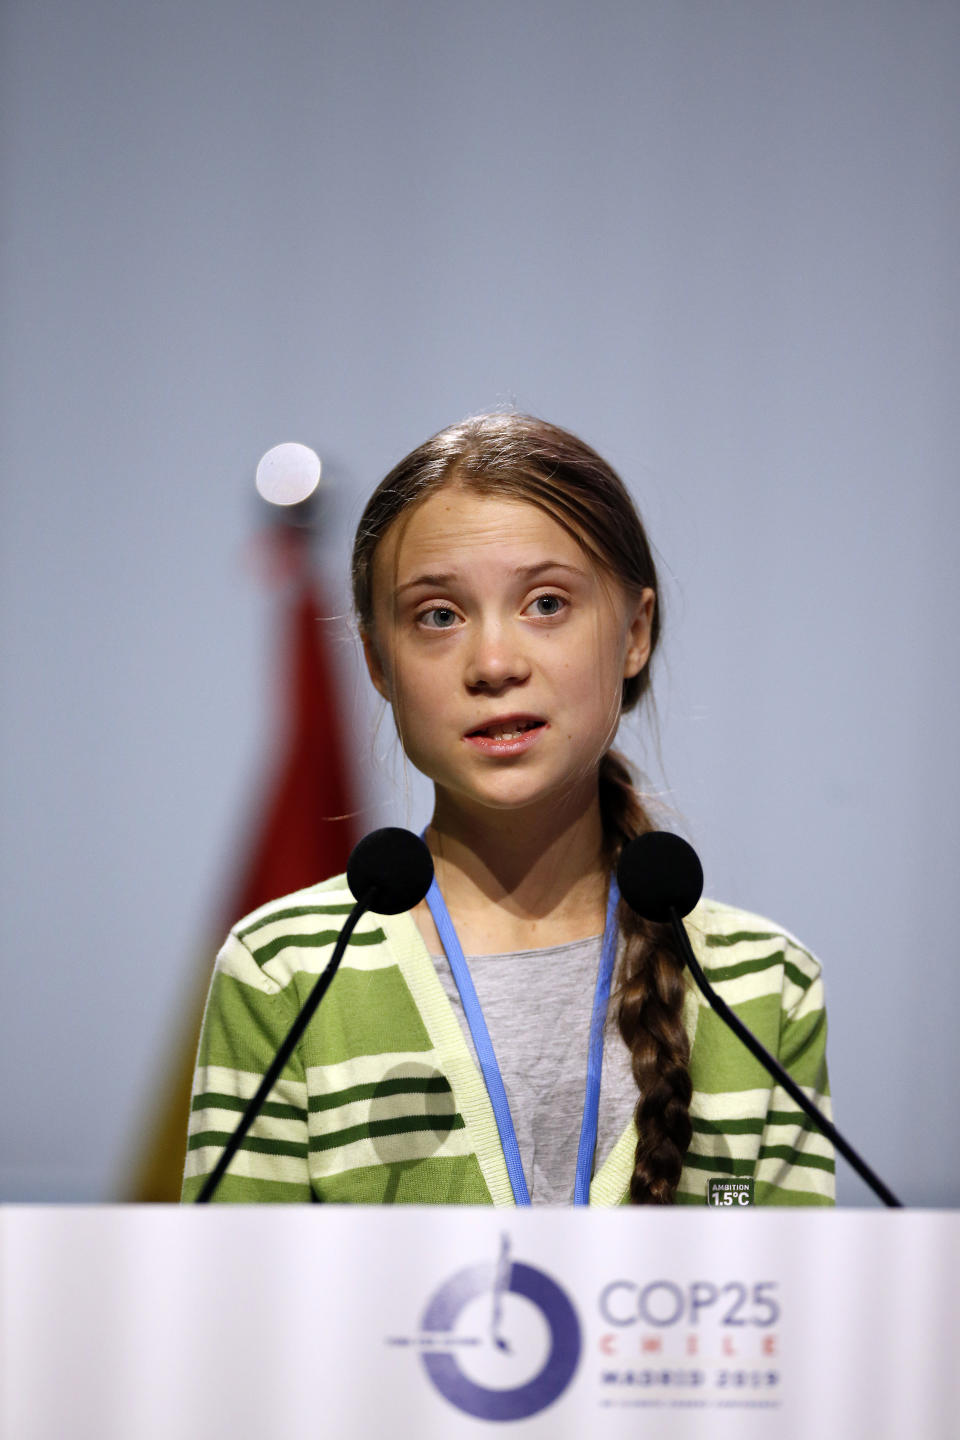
(496, 657)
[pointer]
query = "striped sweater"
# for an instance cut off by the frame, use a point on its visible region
(383, 1103)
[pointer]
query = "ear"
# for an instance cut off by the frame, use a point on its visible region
(374, 665)
(639, 634)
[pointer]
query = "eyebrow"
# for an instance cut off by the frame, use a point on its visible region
(526, 572)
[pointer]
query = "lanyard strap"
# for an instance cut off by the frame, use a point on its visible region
(488, 1060)
(601, 998)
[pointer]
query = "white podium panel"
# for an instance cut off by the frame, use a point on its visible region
(274, 1322)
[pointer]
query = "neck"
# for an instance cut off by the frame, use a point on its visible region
(521, 880)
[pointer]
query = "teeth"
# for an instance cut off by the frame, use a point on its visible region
(500, 732)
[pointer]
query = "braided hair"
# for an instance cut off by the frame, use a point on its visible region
(523, 458)
(650, 1011)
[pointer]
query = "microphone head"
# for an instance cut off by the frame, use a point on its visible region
(658, 872)
(389, 870)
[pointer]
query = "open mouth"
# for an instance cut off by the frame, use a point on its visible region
(510, 729)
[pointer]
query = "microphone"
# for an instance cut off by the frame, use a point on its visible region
(389, 870)
(657, 873)
(661, 878)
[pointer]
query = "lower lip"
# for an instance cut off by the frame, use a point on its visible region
(517, 745)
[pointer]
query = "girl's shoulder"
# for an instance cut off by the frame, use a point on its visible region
(325, 897)
(730, 942)
(296, 933)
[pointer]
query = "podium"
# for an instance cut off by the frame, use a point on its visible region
(275, 1322)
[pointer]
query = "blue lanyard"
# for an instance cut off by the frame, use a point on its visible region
(488, 1060)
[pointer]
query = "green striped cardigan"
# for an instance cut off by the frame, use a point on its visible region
(383, 1103)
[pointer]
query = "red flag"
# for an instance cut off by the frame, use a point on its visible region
(304, 833)
(307, 828)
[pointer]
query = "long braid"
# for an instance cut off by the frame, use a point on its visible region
(650, 1015)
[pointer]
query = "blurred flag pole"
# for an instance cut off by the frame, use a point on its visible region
(303, 833)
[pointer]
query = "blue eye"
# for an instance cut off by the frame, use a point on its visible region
(549, 604)
(443, 618)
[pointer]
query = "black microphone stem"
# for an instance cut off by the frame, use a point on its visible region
(775, 1069)
(282, 1056)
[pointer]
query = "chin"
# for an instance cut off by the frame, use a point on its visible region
(521, 797)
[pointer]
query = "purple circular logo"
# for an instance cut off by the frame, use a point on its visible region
(499, 1280)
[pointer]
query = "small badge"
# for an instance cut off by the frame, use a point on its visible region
(730, 1192)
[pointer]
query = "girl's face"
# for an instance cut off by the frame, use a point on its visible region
(502, 648)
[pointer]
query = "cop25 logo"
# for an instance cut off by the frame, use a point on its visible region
(525, 1320)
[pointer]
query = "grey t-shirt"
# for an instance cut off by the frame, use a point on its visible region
(537, 1005)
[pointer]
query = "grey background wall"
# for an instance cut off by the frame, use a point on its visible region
(717, 239)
